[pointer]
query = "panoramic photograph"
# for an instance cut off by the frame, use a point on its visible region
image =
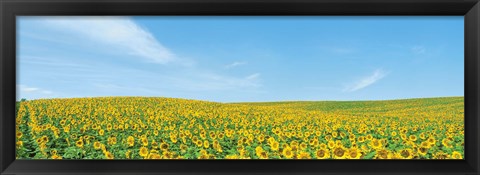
(231, 87)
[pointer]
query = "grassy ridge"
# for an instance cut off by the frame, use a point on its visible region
(380, 106)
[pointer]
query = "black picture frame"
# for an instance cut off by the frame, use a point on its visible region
(10, 9)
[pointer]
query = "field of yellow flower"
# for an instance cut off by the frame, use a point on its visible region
(169, 128)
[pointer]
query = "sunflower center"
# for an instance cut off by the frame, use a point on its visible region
(288, 153)
(339, 152)
(383, 154)
(353, 154)
(405, 153)
(321, 153)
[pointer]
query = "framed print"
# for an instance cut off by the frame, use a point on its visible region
(239, 87)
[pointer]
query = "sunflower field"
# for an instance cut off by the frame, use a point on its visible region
(171, 128)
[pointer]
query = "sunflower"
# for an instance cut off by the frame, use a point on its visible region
(173, 138)
(155, 156)
(405, 154)
(261, 138)
(287, 152)
(79, 143)
(258, 150)
(109, 127)
(274, 146)
(194, 139)
(183, 148)
(322, 154)
(303, 155)
(109, 155)
(144, 141)
(143, 151)
(425, 144)
(412, 138)
(97, 145)
(127, 154)
(361, 139)
(206, 144)
(331, 144)
(422, 151)
(212, 135)
(382, 154)
(441, 155)
(44, 139)
(339, 152)
(203, 156)
(19, 135)
(422, 136)
(314, 143)
(154, 145)
(376, 144)
(456, 155)
(112, 140)
(101, 132)
(203, 152)
(56, 156)
(263, 155)
(354, 153)
(232, 157)
(369, 137)
(394, 134)
(303, 146)
(447, 143)
(130, 141)
(403, 136)
(431, 141)
(199, 143)
(19, 143)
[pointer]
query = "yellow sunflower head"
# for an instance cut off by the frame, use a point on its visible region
(97, 145)
(143, 151)
(287, 152)
(339, 153)
(322, 154)
(456, 155)
(354, 153)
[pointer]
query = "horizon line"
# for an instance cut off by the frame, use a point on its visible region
(19, 100)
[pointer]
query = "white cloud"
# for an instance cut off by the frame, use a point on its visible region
(253, 76)
(367, 81)
(215, 82)
(119, 33)
(27, 89)
(419, 50)
(235, 64)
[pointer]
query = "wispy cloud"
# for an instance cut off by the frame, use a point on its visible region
(216, 82)
(27, 89)
(235, 64)
(120, 33)
(51, 62)
(367, 81)
(419, 50)
(254, 76)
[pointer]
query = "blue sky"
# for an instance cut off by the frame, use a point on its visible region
(235, 59)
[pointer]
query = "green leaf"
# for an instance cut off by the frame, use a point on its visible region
(370, 155)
